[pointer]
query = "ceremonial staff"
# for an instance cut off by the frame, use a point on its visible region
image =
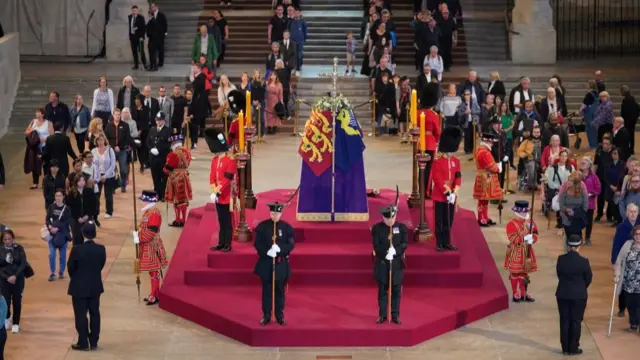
(527, 247)
(500, 207)
(136, 262)
(187, 122)
(394, 210)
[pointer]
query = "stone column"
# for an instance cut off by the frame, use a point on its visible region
(118, 47)
(9, 77)
(535, 43)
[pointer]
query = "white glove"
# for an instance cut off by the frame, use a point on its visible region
(214, 198)
(155, 152)
(528, 239)
(392, 251)
(136, 238)
(505, 159)
(275, 248)
(451, 198)
(272, 253)
(389, 257)
(137, 141)
(500, 167)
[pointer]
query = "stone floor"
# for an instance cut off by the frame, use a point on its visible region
(131, 330)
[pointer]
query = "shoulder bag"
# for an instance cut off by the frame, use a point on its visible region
(45, 234)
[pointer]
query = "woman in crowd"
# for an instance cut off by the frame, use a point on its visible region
(53, 181)
(274, 96)
(468, 111)
(627, 276)
(77, 170)
(103, 103)
(135, 135)
(603, 118)
(191, 125)
(574, 204)
(82, 203)
(95, 128)
(127, 93)
(556, 83)
(506, 118)
(590, 104)
(378, 41)
(434, 61)
(403, 96)
(624, 233)
(80, 119)
(551, 152)
(284, 75)
(449, 107)
(58, 221)
(92, 176)
(222, 24)
(13, 263)
(365, 35)
(257, 98)
(496, 86)
(223, 91)
(245, 83)
(554, 177)
(612, 178)
(273, 56)
(591, 181)
(105, 160)
(37, 133)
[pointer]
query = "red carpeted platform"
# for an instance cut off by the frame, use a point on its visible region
(332, 297)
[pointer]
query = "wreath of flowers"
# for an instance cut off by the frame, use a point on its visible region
(326, 103)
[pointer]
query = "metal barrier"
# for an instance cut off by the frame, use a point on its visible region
(593, 28)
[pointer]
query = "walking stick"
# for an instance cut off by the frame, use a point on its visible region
(615, 290)
(136, 262)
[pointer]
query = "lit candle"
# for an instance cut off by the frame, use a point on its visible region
(241, 131)
(414, 107)
(248, 112)
(423, 138)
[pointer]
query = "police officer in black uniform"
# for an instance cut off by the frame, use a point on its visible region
(159, 147)
(574, 277)
(385, 255)
(274, 243)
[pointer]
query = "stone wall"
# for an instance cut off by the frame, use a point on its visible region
(9, 77)
(118, 47)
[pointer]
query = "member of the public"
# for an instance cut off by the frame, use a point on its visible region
(574, 277)
(428, 100)
(159, 147)
(85, 287)
(178, 190)
(446, 179)
(153, 257)
(520, 260)
(222, 180)
(487, 185)
(274, 243)
(390, 240)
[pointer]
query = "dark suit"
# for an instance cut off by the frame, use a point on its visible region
(58, 146)
(289, 54)
(132, 98)
(156, 30)
(152, 107)
(630, 111)
(136, 39)
(574, 277)
(497, 89)
(422, 81)
(159, 139)
(400, 240)
(545, 111)
(85, 287)
(264, 266)
(200, 101)
(621, 140)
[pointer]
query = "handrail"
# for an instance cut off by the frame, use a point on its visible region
(87, 27)
(508, 23)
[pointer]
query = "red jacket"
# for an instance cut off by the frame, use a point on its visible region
(432, 128)
(446, 177)
(209, 74)
(234, 133)
(222, 176)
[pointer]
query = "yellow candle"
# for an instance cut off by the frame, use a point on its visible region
(248, 112)
(423, 139)
(413, 111)
(241, 131)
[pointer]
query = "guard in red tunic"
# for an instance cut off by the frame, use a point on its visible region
(237, 102)
(487, 185)
(178, 190)
(446, 178)
(222, 179)
(428, 99)
(520, 259)
(153, 257)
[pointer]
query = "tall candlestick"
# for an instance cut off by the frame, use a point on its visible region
(248, 112)
(414, 107)
(241, 131)
(423, 140)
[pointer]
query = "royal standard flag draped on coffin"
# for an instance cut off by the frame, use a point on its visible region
(349, 144)
(315, 147)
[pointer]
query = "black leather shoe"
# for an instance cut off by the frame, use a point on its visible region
(491, 222)
(439, 248)
(155, 301)
(396, 320)
(529, 299)
(282, 321)
(135, 67)
(94, 347)
(481, 224)
(381, 320)
(450, 247)
(265, 321)
(516, 300)
(577, 352)
(217, 248)
(174, 224)
(226, 249)
(79, 347)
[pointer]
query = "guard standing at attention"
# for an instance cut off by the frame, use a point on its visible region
(429, 97)
(222, 179)
(274, 243)
(178, 190)
(389, 253)
(446, 179)
(574, 277)
(520, 260)
(486, 186)
(159, 147)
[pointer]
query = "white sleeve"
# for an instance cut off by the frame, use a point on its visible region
(516, 98)
(112, 104)
(93, 106)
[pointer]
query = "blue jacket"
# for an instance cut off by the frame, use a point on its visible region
(298, 30)
(623, 233)
(84, 114)
(629, 197)
(3, 308)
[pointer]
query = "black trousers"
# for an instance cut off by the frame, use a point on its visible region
(137, 46)
(383, 300)
(76, 231)
(153, 53)
(427, 169)
(80, 139)
(143, 152)
(600, 199)
(631, 128)
(603, 129)
(444, 212)
(88, 329)
(279, 297)
(3, 341)
(633, 306)
(13, 295)
(225, 234)
(571, 314)
(445, 50)
(108, 186)
(622, 301)
(587, 234)
(468, 139)
(159, 177)
(160, 48)
(223, 50)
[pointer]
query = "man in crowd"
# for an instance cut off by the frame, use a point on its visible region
(222, 180)
(277, 25)
(473, 85)
(179, 105)
(602, 163)
(553, 127)
(449, 35)
(57, 111)
(58, 146)
(165, 103)
(204, 45)
(298, 29)
(158, 145)
(621, 138)
(156, 32)
(629, 111)
(289, 50)
(136, 37)
(425, 78)
(85, 265)
(120, 140)
(520, 95)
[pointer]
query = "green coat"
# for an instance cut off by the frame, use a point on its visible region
(212, 52)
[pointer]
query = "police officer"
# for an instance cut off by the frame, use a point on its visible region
(274, 243)
(574, 277)
(389, 253)
(159, 147)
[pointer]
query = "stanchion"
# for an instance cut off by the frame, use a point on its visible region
(296, 119)
(243, 231)
(422, 232)
(414, 199)
(225, 116)
(250, 200)
(373, 115)
(475, 133)
(259, 124)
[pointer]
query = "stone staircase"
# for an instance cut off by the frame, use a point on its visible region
(182, 17)
(485, 31)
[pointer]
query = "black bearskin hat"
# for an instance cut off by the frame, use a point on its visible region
(216, 141)
(429, 95)
(450, 140)
(237, 101)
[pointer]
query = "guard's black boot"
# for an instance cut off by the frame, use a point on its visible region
(450, 247)
(381, 320)
(281, 321)
(265, 321)
(396, 320)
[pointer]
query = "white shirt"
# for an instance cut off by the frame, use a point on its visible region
(286, 44)
(517, 100)
(493, 82)
(204, 40)
(133, 23)
(147, 102)
(553, 105)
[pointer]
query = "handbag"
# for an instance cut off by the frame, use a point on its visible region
(45, 234)
(555, 203)
(28, 271)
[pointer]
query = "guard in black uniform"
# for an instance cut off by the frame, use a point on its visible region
(274, 243)
(159, 147)
(574, 277)
(385, 254)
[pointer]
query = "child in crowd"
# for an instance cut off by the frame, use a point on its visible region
(351, 53)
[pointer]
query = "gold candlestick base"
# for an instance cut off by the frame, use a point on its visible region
(422, 233)
(243, 232)
(414, 199)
